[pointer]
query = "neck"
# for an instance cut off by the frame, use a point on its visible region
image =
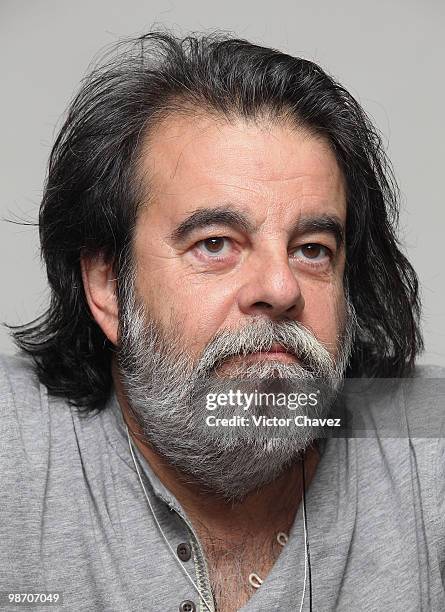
(273, 507)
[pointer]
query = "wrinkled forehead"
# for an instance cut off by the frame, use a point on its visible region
(266, 168)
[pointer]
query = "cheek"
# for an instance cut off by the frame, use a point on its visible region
(324, 314)
(194, 306)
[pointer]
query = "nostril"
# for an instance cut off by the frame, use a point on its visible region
(262, 305)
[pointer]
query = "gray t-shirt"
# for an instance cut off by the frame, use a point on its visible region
(74, 519)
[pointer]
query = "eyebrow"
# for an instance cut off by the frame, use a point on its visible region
(203, 217)
(225, 215)
(329, 224)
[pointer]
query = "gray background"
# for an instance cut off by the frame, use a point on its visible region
(390, 55)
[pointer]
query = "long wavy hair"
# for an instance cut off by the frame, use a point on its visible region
(93, 193)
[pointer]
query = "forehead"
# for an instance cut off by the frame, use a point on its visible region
(263, 167)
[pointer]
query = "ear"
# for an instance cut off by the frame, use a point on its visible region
(100, 289)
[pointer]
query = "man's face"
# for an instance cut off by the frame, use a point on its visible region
(242, 223)
(239, 263)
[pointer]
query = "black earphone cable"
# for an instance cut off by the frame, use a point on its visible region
(308, 555)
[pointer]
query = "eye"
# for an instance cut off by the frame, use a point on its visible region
(214, 246)
(312, 251)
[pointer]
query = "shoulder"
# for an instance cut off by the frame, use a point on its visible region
(429, 371)
(24, 416)
(24, 459)
(424, 399)
(419, 396)
(18, 380)
(20, 390)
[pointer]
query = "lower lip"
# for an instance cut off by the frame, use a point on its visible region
(280, 356)
(273, 356)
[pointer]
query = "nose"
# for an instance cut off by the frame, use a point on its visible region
(272, 288)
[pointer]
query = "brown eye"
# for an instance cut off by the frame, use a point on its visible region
(216, 245)
(311, 251)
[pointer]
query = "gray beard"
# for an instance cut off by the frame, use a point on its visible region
(166, 390)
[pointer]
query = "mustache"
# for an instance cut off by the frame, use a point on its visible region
(258, 337)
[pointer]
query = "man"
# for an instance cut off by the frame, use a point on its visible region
(218, 221)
